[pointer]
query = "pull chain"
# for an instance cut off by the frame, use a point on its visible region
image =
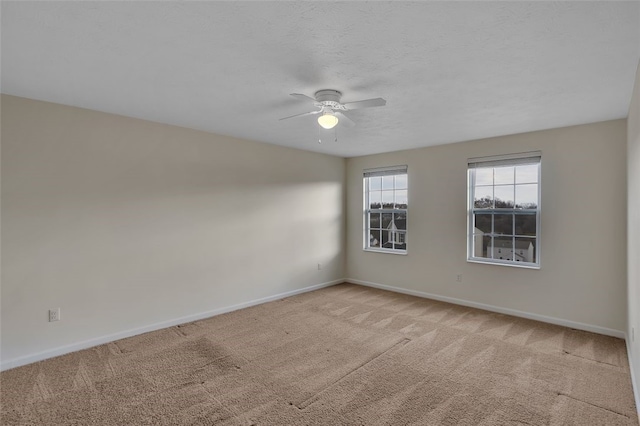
(335, 134)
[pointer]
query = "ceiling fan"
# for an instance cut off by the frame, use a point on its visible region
(331, 110)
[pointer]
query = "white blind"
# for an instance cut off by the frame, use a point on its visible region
(532, 157)
(386, 171)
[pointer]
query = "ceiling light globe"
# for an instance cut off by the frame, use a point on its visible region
(328, 121)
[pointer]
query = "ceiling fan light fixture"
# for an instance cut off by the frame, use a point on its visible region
(328, 120)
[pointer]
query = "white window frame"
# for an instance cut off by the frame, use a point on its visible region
(384, 171)
(527, 158)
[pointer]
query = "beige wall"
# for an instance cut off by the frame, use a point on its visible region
(583, 238)
(124, 223)
(633, 165)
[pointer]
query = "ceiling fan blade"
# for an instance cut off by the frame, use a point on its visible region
(303, 97)
(367, 103)
(342, 118)
(300, 115)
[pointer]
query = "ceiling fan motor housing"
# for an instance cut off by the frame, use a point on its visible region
(329, 98)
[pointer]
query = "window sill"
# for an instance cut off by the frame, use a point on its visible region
(512, 265)
(397, 252)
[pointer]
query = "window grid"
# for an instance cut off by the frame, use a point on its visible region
(386, 213)
(505, 230)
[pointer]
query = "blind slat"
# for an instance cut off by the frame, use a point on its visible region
(385, 171)
(506, 160)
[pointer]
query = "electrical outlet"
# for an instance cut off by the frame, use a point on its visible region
(54, 314)
(459, 278)
(319, 266)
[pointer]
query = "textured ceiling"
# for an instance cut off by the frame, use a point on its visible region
(450, 71)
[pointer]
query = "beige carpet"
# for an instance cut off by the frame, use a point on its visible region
(344, 355)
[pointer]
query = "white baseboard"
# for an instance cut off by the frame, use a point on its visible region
(61, 350)
(498, 309)
(634, 384)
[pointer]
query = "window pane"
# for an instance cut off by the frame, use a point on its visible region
(483, 197)
(387, 182)
(527, 196)
(527, 173)
(400, 220)
(503, 175)
(401, 199)
(386, 220)
(525, 224)
(504, 196)
(480, 244)
(387, 199)
(385, 242)
(503, 224)
(374, 239)
(502, 248)
(374, 220)
(401, 181)
(476, 246)
(525, 250)
(482, 223)
(375, 182)
(375, 199)
(484, 176)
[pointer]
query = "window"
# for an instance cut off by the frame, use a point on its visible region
(504, 210)
(385, 217)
